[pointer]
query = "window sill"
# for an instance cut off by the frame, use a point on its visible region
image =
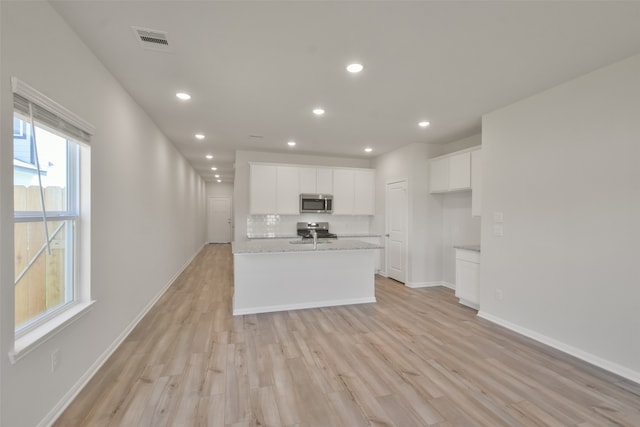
(33, 339)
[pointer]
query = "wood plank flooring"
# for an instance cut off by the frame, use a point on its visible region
(415, 358)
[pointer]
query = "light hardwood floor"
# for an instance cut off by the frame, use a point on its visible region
(415, 358)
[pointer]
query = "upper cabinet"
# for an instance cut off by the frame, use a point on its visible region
(450, 173)
(460, 172)
(316, 180)
(276, 189)
(288, 190)
(353, 191)
(476, 182)
(343, 191)
(263, 189)
(364, 197)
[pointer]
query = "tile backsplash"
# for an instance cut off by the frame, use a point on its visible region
(283, 225)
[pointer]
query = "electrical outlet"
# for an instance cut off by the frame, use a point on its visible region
(499, 295)
(55, 360)
(498, 217)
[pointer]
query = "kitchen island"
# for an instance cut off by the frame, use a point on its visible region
(278, 275)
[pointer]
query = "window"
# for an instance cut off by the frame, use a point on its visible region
(51, 165)
(44, 255)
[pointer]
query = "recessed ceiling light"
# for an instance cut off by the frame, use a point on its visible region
(354, 68)
(368, 149)
(216, 175)
(318, 111)
(183, 96)
(423, 124)
(214, 168)
(219, 180)
(199, 136)
(291, 143)
(209, 156)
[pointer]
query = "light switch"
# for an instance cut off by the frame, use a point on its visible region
(498, 217)
(498, 230)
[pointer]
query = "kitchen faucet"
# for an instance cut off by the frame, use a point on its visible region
(314, 234)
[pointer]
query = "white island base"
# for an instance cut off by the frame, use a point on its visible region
(279, 281)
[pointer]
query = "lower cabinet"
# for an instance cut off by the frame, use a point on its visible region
(468, 277)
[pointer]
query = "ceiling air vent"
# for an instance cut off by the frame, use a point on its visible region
(152, 39)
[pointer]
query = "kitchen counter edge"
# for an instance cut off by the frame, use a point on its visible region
(279, 245)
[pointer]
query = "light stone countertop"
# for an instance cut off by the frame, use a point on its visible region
(295, 236)
(475, 248)
(280, 245)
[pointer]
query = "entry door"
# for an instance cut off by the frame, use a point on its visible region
(219, 219)
(396, 213)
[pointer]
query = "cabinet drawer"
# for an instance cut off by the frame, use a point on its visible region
(467, 255)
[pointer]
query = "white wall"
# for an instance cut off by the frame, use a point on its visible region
(241, 181)
(458, 226)
(219, 189)
(425, 211)
(563, 168)
(148, 208)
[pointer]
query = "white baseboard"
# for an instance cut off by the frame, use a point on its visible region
(66, 400)
(424, 284)
(449, 285)
(565, 348)
(315, 304)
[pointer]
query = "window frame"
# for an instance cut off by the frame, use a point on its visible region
(34, 332)
(70, 216)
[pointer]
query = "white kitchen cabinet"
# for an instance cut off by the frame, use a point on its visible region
(276, 188)
(468, 277)
(316, 180)
(364, 194)
(263, 189)
(324, 180)
(476, 182)
(308, 180)
(288, 190)
(343, 191)
(353, 191)
(439, 175)
(451, 172)
(460, 172)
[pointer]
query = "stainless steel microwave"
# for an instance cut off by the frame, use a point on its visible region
(316, 203)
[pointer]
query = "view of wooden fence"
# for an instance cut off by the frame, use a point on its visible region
(42, 286)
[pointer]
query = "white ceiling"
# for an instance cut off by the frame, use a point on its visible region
(259, 68)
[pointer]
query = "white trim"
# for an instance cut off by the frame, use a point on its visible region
(21, 88)
(41, 334)
(73, 392)
(464, 150)
(565, 348)
(423, 284)
(300, 306)
(451, 286)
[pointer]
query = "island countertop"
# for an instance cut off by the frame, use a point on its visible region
(281, 245)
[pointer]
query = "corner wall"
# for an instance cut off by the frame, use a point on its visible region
(147, 203)
(563, 168)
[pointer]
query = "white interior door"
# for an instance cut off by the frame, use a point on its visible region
(219, 219)
(396, 213)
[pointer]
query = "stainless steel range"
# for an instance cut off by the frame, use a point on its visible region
(305, 229)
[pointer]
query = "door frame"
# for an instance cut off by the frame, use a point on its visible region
(231, 225)
(386, 227)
